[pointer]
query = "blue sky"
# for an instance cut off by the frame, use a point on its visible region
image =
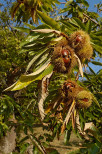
(92, 3)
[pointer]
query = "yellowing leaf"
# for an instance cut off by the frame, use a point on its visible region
(70, 111)
(80, 65)
(26, 80)
(47, 31)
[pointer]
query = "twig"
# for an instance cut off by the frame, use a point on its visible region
(63, 2)
(91, 19)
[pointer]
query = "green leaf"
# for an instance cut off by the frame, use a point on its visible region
(24, 148)
(72, 21)
(52, 151)
(86, 76)
(79, 23)
(67, 136)
(49, 21)
(41, 69)
(98, 33)
(85, 3)
(95, 100)
(74, 152)
(22, 29)
(95, 37)
(80, 12)
(43, 26)
(24, 139)
(97, 48)
(35, 58)
(68, 3)
(25, 80)
(94, 149)
(41, 60)
(29, 39)
(88, 27)
(69, 26)
(96, 63)
(29, 25)
(64, 10)
(92, 71)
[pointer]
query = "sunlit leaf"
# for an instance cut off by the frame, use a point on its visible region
(79, 23)
(68, 3)
(22, 29)
(49, 21)
(46, 31)
(26, 80)
(97, 48)
(88, 27)
(95, 101)
(29, 25)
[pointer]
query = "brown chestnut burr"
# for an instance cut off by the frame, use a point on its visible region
(80, 42)
(71, 90)
(63, 57)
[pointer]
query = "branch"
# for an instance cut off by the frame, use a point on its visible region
(91, 19)
(63, 2)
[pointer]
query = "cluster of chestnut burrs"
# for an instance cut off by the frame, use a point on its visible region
(68, 53)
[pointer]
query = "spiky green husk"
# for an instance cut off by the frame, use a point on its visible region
(84, 95)
(86, 52)
(84, 48)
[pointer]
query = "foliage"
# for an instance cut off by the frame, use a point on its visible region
(37, 47)
(30, 8)
(7, 109)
